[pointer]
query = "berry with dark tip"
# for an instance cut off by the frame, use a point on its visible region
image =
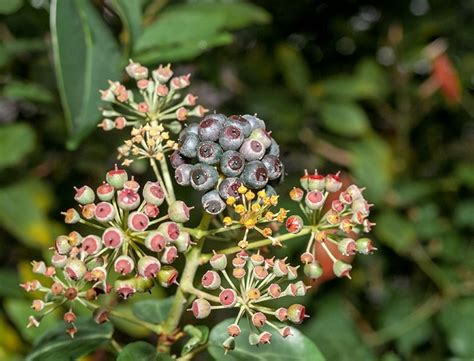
(273, 165)
(241, 123)
(231, 137)
(188, 145)
(255, 122)
(209, 128)
(229, 187)
(203, 177)
(252, 149)
(182, 175)
(212, 203)
(176, 159)
(232, 163)
(262, 136)
(209, 152)
(255, 175)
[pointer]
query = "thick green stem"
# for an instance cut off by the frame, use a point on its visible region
(167, 179)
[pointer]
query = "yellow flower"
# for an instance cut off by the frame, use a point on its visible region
(267, 232)
(239, 209)
(256, 207)
(269, 216)
(250, 195)
(242, 189)
(227, 221)
(230, 201)
(262, 194)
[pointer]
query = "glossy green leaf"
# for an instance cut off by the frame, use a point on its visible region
(293, 67)
(86, 56)
(294, 348)
(56, 344)
(28, 91)
(130, 12)
(8, 7)
(335, 331)
(344, 118)
(395, 231)
(140, 350)
(23, 213)
(198, 336)
(371, 166)
(19, 310)
(153, 311)
(457, 322)
(16, 141)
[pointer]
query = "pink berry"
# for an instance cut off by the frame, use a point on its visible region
(105, 192)
(294, 224)
(151, 210)
(155, 241)
(116, 177)
(104, 212)
(274, 290)
(112, 237)
(228, 297)
(138, 221)
(91, 244)
(211, 280)
(259, 319)
(169, 255)
(128, 199)
(153, 193)
(170, 231)
(124, 265)
(314, 200)
(296, 313)
(84, 195)
(201, 308)
(148, 266)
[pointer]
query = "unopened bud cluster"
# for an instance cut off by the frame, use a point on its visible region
(338, 221)
(160, 109)
(221, 153)
(254, 281)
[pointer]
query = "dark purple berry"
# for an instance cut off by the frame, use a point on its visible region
(188, 145)
(209, 128)
(273, 165)
(212, 203)
(254, 121)
(182, 174)
(176, 159)
(255, 175)
(203, 177)
(252, 149)
(209, 152)
(229, 187)
(232, 163)
(274, 148)
(231, 137)
(241, 123)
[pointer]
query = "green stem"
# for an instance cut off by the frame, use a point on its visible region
(193, 260)
(159, 178)
(167, 177)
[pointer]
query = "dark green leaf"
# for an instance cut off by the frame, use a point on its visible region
(22, 212)
(198, 336)
(28, 91)
(138, 351)
(153, 311)
(9, 283)
(8, 7)
(335, 332)
(16, 141)
(130, 12)
(294, 348)
(456, 320)
(56, 344)
(372, 166)
(294, 68)
(344, 118)
(395, 231)
(85, 55)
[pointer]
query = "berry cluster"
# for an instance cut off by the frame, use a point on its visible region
(338, 221)
(256, 280)
(161, 102)
(253, 211)
(221, 153)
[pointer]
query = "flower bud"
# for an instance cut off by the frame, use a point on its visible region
(260, 272)
(259, 319)
(104, 212)
(345, 198)
(307, 257)
(37, 305)
(100, 315)
(201, 308)
(128, 199)
(138, 221)
(75, 269)
(264, 337)
(296, 194)
(170, 231)
(84, 195)
(162, 74)
(167, 276)
(71, 216)
(281, 314)
(155, 241)
(69, 317)
(153, 193)
(178, 212)
(257, 259)
(333, 183)
(88, 211)
(228, 344)
(228, 297)
(169, 255)
(274, 290)
(211, 280)
(292, 273)
(347, 247)
(218, 262)
(124, 265)
(364, 246)
(233, 330)
(313, 270)
(91, 244)
(113, 237)
(105, 192)
(315, 200)
(316, 182)
(296, 313)
(341, 269)
(116, 177)
(337, 206)
(125, 287)
(294, 224)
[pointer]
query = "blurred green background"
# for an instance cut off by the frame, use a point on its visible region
(382, 90)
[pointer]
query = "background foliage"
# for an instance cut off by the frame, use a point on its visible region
(343, 85)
